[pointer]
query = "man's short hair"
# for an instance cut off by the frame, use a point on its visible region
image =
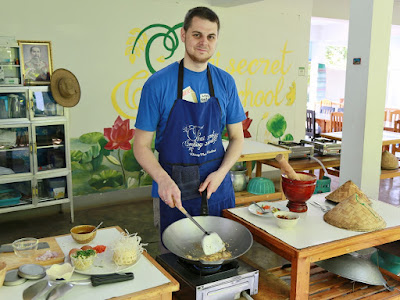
(201, 12)
(34, 47)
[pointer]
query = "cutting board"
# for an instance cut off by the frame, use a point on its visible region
(14, 261)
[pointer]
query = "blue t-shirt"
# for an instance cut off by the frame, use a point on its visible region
(160, 91)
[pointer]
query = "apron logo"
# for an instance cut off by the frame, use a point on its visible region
(196, 140)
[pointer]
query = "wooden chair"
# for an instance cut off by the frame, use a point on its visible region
(311, 128)
(394, 115)
(326, 102)
(396, 147)
(336, 121)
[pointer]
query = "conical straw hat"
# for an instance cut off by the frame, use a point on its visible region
(354, 214)
(346, 190)
(389, 161)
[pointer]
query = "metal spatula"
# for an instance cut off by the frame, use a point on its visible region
(211, 241)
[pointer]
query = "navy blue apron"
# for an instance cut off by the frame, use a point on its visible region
(190, 149)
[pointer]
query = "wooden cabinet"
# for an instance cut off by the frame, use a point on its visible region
(35, 165)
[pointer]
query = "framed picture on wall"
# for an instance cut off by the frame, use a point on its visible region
(36, 62)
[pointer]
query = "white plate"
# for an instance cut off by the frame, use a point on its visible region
(253, 208)
(103, 264)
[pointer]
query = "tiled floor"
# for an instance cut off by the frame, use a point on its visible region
(138, 217)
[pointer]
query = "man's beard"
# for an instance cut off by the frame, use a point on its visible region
(196, 59)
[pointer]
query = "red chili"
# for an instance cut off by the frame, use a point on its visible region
(100, 248)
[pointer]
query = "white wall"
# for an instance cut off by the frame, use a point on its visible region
(90, 38)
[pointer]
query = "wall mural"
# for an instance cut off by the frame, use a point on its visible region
(104, 161)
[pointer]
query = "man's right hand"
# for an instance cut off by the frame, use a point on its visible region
(169, 192)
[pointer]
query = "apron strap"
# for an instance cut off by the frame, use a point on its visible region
(180, 81)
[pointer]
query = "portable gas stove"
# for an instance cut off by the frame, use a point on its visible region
(324, 146)
(299, 150)
(210, 282)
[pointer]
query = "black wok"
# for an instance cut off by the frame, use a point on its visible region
(183, 238)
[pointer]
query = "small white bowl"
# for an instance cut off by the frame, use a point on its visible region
(286, 219)
(59, 272)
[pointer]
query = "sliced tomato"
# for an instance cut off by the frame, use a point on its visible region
(266, 206)
(100, 248)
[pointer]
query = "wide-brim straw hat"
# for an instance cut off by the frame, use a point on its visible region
(355, 214)
(346, 190)
(389, 161)
(65, 88)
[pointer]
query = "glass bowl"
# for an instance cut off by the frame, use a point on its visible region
(25, 247)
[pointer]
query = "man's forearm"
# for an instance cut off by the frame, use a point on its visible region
(232, 154)
(149, 163)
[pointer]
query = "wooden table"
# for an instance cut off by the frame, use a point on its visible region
(256, 151)
(320, 240)
(308, 164)
(153, 270)
(388, 138)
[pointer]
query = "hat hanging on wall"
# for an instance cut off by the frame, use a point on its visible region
(65, 88)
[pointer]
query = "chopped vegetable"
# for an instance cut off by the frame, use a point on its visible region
(84, 253)
(100, 248)
(266, 207)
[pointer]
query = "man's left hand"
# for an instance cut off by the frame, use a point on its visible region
(211, 183)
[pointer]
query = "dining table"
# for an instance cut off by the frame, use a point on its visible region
(312, 239)
(388, 137)
(150, 281)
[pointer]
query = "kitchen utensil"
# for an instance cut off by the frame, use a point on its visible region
(4, 109)
(354, 268)
(25, 247)
(298, 191)
(12, 278)
(263, 211)
(183, 238)
(260, 186)
(60, 290)
(31, 271)
(97, 227)
(37, 289)
(320, 206)
(286, 168)
(83, 234)
(211, 242)
(14, 106)
(239, 180)
(9, 247)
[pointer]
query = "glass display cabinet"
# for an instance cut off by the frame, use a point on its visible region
(35, 165)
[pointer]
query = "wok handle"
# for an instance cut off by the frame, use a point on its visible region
(183, 210)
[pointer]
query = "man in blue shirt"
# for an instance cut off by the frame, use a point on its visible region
(188, 104)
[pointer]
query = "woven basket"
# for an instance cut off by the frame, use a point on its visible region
(355, 214)
(346, 190)
(389, 161)
(3, 271)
